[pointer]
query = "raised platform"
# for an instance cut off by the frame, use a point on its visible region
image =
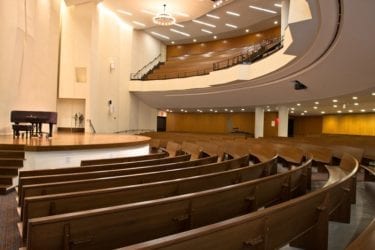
(68, 149)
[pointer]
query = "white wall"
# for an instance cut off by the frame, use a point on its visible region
(111, 44)
(66, 109)
(145, 49)
(29, 39)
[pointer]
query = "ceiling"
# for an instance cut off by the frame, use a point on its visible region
(139, 14)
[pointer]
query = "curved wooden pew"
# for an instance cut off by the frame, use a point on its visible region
(302, 222)
(40, 206)
(108, 173)
(124, 159)
(365, 240)
(116, 226)
(89, 184)
(39, 172)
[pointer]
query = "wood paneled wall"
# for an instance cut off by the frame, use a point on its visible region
(269, 130)
(354, 124)
(224, 44)
(308, 125)
(210, 123)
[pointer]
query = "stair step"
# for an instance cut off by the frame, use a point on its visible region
(4, 189)
(11, 170)
(11, 162)
(7, 179)
(12, 154)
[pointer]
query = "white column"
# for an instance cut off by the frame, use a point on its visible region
(259, 122)
(283, 121)
(284, 15)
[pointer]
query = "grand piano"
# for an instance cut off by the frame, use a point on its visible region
(35, 118)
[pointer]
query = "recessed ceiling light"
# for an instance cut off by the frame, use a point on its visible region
(363, 110)
(298, 104)
(215, 37)
(262, 9)
(179, 25)
(302, 113)
(242, 109)
(213, 16)
(231, 25)
(315, 107)
(215, 111)
(291, 108)
(292, 112)
(181, 110)
(225, 109)
(305, 111)
(373, 93)
(276, 22)
(356, 104)
(247, 30)
(268, 110)
(322, 112)
(339, 111)
(160, 35)
(278, 5)
(207, 31)
(194, 40)
(204, 23)
(186, 111)
(354, 97)
(316, 103)
(232, 13)
(211, 110)
(125, 12)
(139, 23)
(373, 109)
(350, 111)
(334, 100)
(180, 32)
(231, 111)
(172, 42)
(335, 106)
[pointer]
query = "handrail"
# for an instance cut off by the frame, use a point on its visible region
(264, 49)
(145, 69)
(91, 126)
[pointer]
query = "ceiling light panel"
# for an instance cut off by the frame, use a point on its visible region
(125, 12)
(179, 25)
(180, 32)
(213, 16)
(262, 9)
(204, 23)
(206, 31)
(232, 13)
(231, 25)
(279, 5)
(160, 35)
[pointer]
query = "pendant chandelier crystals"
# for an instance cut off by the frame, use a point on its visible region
(164, 19)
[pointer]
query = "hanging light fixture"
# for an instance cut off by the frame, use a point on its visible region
(217, 3)
(164, 19)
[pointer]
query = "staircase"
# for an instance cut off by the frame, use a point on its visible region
(10, 162)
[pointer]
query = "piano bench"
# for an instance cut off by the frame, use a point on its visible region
(21, 127)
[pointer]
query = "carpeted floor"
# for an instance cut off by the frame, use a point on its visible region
(9, 236)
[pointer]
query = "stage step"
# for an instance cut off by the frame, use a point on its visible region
(11, 162)
(8, 179)
(9, 170)
(4, 189)
(12, 154)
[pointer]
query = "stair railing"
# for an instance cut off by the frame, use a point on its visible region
(145, 69)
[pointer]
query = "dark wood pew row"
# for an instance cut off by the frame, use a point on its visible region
(116, 226)
(39, 172)
(124, 159)
(32, 180)
(302, 222)
(365, 240)
(40, 206)
(369, 172)
(89, 184)
(112, 166)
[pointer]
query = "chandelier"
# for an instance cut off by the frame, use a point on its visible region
(164, 19)
(217, 3)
